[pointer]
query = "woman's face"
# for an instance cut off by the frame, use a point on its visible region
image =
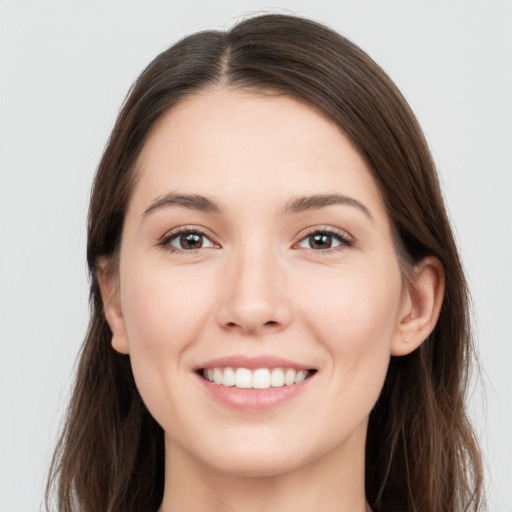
(256, 239)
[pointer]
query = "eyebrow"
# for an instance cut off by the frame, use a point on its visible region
(295, 205)
(315, 202)
(190, 201)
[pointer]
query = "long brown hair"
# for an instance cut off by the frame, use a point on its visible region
(421, 454)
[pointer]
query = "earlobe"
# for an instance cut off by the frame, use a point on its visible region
(420, 308)
(109, 288)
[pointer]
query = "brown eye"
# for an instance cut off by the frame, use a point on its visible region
(324, 240)
(320, 241)
(187, 241)
(190, 241)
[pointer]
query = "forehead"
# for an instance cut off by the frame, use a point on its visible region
(237, 146)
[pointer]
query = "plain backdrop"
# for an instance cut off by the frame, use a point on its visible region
(65, 67)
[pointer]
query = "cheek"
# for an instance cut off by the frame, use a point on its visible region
(356, 302)
(162, 309)
(164, 314)
(354, 318)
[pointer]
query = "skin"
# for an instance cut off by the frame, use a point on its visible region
(258, 286)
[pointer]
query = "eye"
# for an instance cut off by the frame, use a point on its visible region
(186, 240)
(321, 240)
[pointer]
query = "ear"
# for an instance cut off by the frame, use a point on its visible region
(420, 308)
(109, 288)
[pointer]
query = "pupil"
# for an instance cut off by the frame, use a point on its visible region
(190, 241)
(321, 241)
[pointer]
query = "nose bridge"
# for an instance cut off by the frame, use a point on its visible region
(253, 295)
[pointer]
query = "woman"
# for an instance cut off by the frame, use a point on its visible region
(280, 319)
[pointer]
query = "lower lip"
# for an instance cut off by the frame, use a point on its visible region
(253, 399)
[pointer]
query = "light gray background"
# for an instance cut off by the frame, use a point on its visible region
(65, 67)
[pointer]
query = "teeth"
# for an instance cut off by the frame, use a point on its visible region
(228, 378)
(300, 376)
(277, 378)
(262, 378)
(289, 377)
(217, 376)
(243, 378)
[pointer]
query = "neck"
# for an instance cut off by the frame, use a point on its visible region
(332, 483)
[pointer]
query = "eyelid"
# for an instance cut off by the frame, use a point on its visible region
(164, 240)
(345, 238)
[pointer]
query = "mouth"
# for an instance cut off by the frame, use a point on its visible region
(254, 384)
(255, 379)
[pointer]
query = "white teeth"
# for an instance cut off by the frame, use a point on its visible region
(262, 378)
(243, 378)
(217, 376)
(289, 377)
(300, 376)
(277, 378)
(228, 378)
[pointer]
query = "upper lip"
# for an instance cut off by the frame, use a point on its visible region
(252, 363)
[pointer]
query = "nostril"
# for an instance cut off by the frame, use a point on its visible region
(270, 323)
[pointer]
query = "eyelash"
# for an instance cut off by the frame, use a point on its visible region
(166, 240)
(341, 236)
(344, 240)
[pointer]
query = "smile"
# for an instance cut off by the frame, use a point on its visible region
(260, 378)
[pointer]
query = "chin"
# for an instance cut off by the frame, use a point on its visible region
(257, 465)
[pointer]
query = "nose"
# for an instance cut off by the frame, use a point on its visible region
(253, 294)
